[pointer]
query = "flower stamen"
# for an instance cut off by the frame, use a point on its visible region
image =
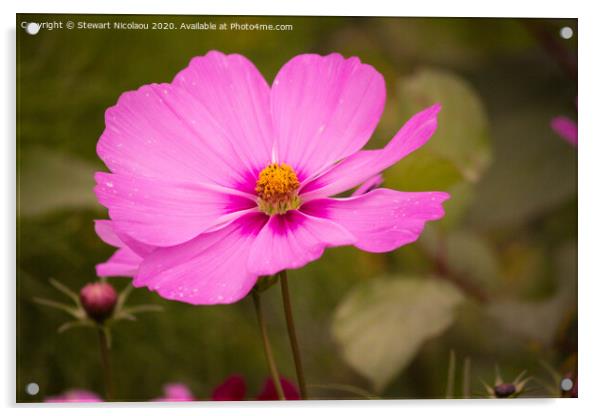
(277, 187)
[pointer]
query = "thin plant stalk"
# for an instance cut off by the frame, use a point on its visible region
(105, 363)
(266, 346)
(466, 379)
(451, 375)
(292, 334)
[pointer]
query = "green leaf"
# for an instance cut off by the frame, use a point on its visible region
(421, 171)
(65, 290)
(75, 324)
(381, 324)
(51, 181)
(75, 312)
(462, 137)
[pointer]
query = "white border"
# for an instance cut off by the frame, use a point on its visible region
(590, 150)
(458, 8)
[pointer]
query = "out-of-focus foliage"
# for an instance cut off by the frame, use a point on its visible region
(540, 320)
(544, 172)
(506, 247)
(54, 181)
(381, 324)
(467, 254)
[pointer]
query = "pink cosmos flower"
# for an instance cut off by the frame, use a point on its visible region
(234, 388)
(218, 178)
(176, 392)
(75, 396)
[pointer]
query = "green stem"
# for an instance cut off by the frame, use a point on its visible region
(266, 346)
(451, 375)
(105, 362)
(292, 333)
(466, 379)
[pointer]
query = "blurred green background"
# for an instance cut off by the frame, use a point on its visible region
(495, 282)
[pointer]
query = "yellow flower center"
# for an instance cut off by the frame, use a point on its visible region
(277, 187)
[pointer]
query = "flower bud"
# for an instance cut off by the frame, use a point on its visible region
(98, 300)
(504, 390)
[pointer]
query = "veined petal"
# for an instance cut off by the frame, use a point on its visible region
(324, 108)
(210, 269)
(164, 213)
(233, 93)
(381, 220)
(362, 165)
(211, 124)
(292, 240)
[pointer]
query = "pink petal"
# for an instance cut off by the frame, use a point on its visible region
(162, 212)
(269, 390)
(237, 97)
(324, 109)
(362, 165)
(104, 229)
(370, 184)
(566, 128)
(292, 240)
(210, 269)
(381, 220)
(232, 389)
(124, 262)
(211, 124)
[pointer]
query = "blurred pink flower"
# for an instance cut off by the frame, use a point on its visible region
(176, 392)
(234, 389)
(565, 128)
(217, 179)
(75, 396)
(269, 390)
